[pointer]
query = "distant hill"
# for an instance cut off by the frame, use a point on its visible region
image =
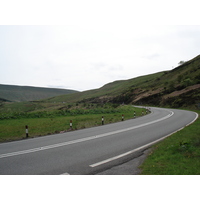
(28, 93)
(4, 100)
(179, 87)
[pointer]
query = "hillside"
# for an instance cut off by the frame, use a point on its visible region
(106, 93)
(27, 93)
(179, 87)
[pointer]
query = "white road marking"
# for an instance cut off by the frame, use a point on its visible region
(197, 115)
(139, 148)
(81, 140)
(129, 152)
(65, 174)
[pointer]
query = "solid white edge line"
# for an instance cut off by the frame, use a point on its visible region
(197, 115)
(139, 148)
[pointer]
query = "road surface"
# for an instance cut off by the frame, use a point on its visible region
(92, 150)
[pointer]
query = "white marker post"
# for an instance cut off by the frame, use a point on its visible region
(102, 120)
(70, 124)
(26, 130)
(122, 117)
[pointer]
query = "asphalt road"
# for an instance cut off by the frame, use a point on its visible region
(93, 150)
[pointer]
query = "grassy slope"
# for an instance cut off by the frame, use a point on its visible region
(150, 89)
(109, 90)
(178, 154)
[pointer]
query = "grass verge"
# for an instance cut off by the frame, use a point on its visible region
(178, 154)
(14, 129)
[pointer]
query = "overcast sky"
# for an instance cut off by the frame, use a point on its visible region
(98, 44)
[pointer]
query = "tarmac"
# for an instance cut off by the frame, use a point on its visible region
(128, 168)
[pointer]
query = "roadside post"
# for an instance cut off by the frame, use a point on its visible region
(70, 124)
(26, 127)
(102, 120)
(122, 117)
(134, 114)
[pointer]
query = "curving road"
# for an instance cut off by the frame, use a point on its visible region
(93, 150)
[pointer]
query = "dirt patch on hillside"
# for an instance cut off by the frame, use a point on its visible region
(147, 94)
(177, 93)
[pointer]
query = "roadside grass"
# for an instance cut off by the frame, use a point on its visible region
(178, 154)
(14, 129)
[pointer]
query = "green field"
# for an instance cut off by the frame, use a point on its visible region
(178, 154)
(13, 129)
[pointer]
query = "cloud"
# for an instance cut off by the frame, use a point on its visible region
(83, 58)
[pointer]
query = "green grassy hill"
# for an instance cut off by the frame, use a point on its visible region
(179, 87)
(108, 92)
(27, 93)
